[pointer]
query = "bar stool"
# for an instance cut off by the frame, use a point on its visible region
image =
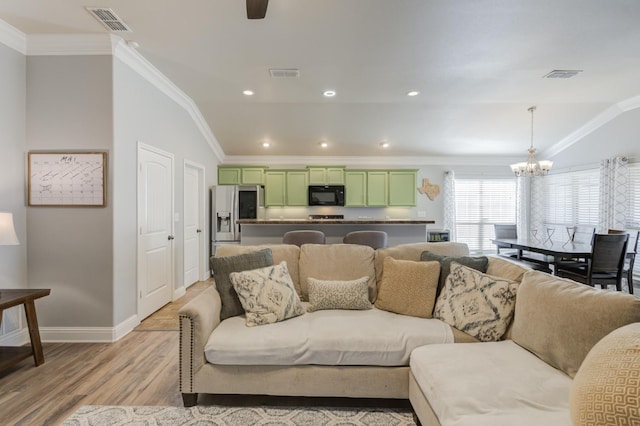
(373, 239)
(301, 237)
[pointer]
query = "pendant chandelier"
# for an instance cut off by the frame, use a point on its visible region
(532, 167)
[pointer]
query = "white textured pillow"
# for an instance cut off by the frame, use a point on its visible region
(338, 294)
(478, 304)
(267, 294)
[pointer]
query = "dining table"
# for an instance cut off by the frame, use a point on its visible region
(552, 251)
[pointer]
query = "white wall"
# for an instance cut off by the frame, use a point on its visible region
(142, 113)
(13, 259)
(69, 107)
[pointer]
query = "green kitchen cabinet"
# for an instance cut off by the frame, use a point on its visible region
(297, 188)
(377, 188)
(403, 188)
(237, 175)
(326, 175)
(355, 188)
(275, 188)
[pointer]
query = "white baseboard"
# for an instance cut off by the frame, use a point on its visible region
(15, 338)
(88, 334)
(178, 293)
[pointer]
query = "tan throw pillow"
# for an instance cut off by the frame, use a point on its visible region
(606, 389)
(408, 287)
(352, 294)
(505, 268)
(267, 294)
(560, 320)
(478, 304)
(336, 262)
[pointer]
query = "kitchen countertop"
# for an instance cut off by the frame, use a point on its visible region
(335, 221)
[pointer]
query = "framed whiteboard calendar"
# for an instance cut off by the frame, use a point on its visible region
(67, 179)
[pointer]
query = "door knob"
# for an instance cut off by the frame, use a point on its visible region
(171, 237)
(198, 230)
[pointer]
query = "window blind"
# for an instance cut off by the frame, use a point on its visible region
(633, 212)
(480, 203)
(571, 198)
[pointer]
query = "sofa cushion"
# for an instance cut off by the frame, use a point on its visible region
(342, 262)
(267, 294)
(478, 304)
(352, 294)
(222, 266)
(491, 384)
(414, 250)
(330, 337)
(606, 389)
(408, 287)
(478, 263)
(505, 268)
(560, 320)
(288, 252)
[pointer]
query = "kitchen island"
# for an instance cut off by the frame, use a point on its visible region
(270, 231)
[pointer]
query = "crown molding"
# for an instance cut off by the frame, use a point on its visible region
(592, 125)
(371, 161)
(70, 44)
(146, 70)
(13, 37)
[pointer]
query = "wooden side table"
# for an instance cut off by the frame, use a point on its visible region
(10, 355)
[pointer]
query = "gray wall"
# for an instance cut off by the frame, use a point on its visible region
(145, 114)
(13, 259)
(70, 249)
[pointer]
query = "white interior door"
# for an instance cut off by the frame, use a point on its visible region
(155, 228)
(194, 202)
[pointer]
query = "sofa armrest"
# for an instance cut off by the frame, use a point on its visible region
(198, 319)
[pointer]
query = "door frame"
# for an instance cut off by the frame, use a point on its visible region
(143, 146)
(202, 249)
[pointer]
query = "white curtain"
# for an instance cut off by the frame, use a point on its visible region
(523, 203)
(614, 181)
(449, 194)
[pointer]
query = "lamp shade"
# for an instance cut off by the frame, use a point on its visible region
(8, 235)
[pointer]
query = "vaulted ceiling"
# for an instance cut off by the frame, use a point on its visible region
(478, 65)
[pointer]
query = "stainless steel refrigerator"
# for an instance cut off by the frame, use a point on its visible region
(228, 204)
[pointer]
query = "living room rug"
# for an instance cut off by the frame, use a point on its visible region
(99, 415)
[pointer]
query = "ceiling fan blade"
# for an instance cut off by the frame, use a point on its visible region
(257, 9)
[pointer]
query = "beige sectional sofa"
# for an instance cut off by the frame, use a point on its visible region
(525, 377)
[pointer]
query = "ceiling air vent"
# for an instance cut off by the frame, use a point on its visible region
(562, 73)
(109, 19)
(284, 73)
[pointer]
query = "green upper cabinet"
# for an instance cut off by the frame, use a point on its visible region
(355, 188)
(326, 175)
(237, 175)
(297, 187)
(275, 186)
(403, 187)
(377, 188)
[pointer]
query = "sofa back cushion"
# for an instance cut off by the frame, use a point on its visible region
(414, 250)
(287, 252)
(560, 320)
(336, 262)
(501, 267)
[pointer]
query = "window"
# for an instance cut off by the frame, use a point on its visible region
(480, 203)
(571, 198)
(633, 212)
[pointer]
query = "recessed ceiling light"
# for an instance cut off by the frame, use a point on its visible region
(384, 145)
(329, 93)
(266, 144)
(413, 93)
(247, 92)
(324, 144)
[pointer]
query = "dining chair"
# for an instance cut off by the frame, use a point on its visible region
(301, 237)
(630, 258)
(605, 265)
(506, 232)
(581, 235)
(373, 239)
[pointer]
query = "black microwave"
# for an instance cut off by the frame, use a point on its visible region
(326, 195)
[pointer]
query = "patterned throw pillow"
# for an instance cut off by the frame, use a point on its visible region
(267, 294)
(478, 304)
(479, 263)
(222, 266)
(408, 287)
(339, 294)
